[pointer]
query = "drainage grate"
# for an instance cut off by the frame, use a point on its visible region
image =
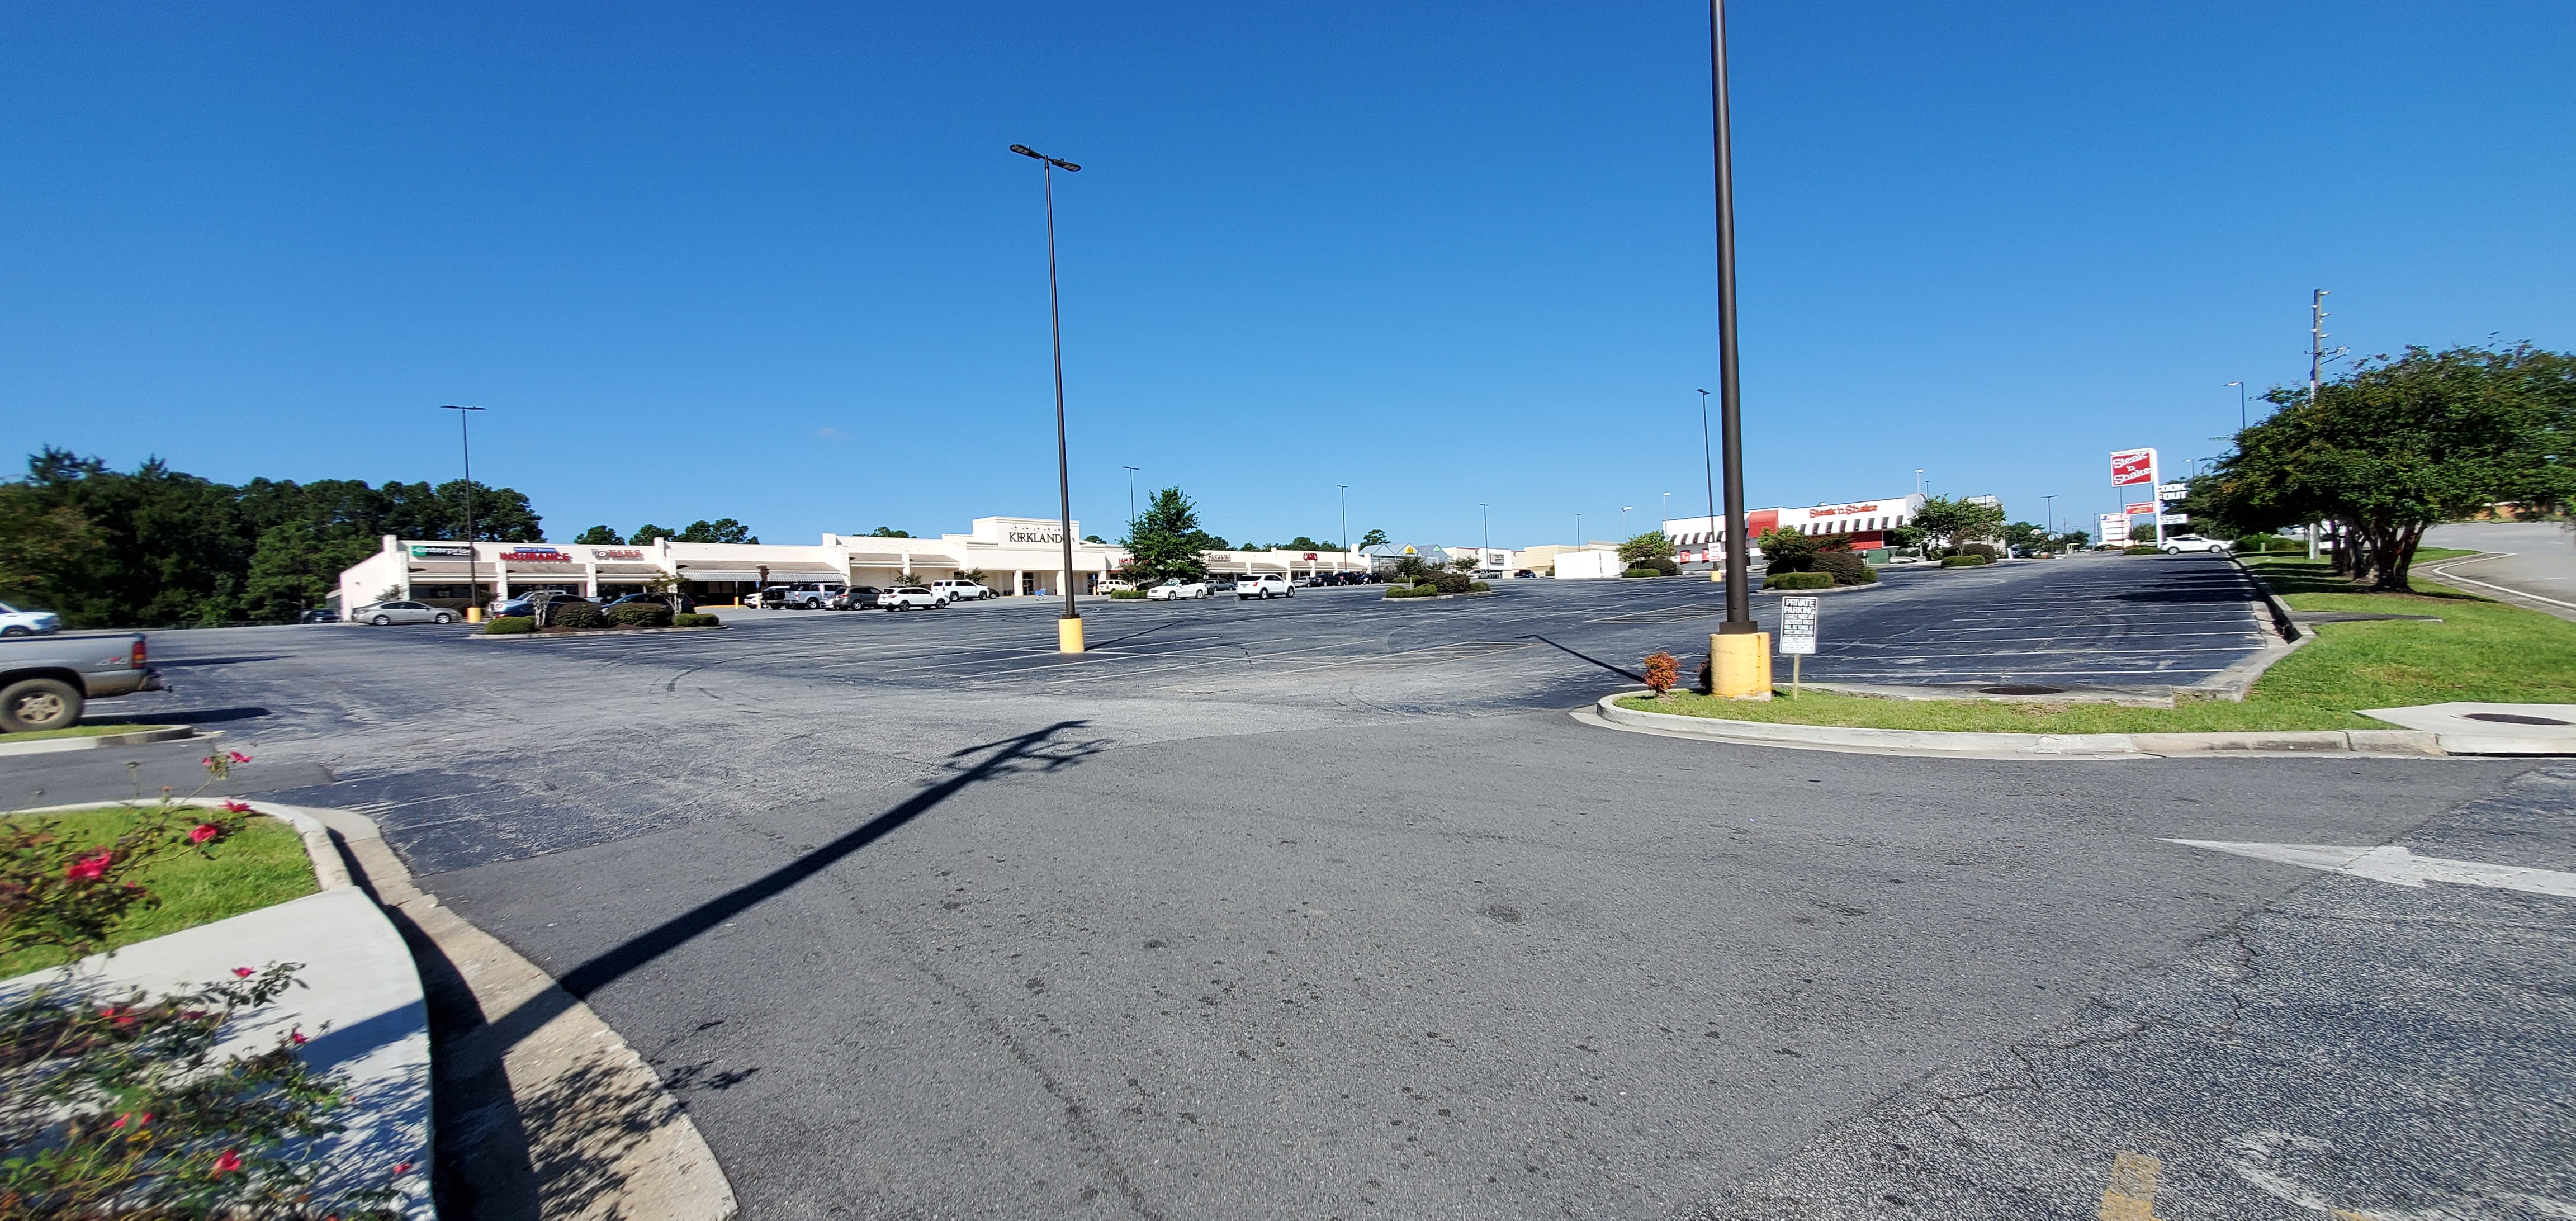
(2021, 689)
(2514, 718)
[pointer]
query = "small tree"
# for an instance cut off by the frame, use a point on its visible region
(1374, 538)
(1166, 542)
(1652, 545)
(1789, 551)
(599, 536)
(1953, 524)
(1662, 671)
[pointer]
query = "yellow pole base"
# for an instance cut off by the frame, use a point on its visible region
(1068, 635)
(1740, 665)
(1717, 576)
(474, 614)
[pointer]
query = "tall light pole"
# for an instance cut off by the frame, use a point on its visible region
(1347, 550)
(1068, 627)
(2049, 512)
(1623, 521)
(1709, 468)
(1489, 530)
(473, 571)
(2241, 424)
(1918, 481)
(1131, 501)
(1742, 667)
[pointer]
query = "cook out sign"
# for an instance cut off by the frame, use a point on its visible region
(2130, 466)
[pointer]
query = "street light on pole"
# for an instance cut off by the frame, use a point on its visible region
(1623, 521)
(1489, 530)
(2048, 511)
(1708, 467)
(1347, 549)
(1740, 657)
(1068, 628)
(2241, 424)
(1131, 501)
(473, 572)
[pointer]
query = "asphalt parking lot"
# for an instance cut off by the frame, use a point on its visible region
(1325, 907)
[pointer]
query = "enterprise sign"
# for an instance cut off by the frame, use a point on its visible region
(426, 551)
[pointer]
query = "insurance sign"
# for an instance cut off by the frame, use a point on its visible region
(1797, 626)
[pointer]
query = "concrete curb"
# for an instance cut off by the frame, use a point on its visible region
(47, 746)
(566, 1121)
(593, 634)
(1952, 744)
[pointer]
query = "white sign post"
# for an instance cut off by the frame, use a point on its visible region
(1797, 635)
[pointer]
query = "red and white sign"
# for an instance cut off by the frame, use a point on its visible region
(2130, 466)
(2115, 529)
(2141, 507)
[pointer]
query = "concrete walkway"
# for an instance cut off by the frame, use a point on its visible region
(360, 1005)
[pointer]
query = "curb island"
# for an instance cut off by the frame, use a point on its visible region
(1937, 743)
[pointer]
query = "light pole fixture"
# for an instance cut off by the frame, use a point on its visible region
(2241, 423)
(1708, 467)
(1918, 481)
(1131, 501)
(473, 571)
(1347, 549)
(1623, 521)
(1489, 530)
(1068, 627)
(2048, 511)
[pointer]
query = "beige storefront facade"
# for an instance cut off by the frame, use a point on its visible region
(1014, 556)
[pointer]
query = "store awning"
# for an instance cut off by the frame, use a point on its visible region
(717, 574)
(630, 570)
(545, 570)
(456, 570)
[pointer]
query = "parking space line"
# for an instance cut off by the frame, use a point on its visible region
(2131, 1195)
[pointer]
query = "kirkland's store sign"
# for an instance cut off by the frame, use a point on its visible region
(423, 551)
(537, 555)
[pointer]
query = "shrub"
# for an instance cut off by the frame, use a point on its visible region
(1641, 572)
(576, 614)
(509, 625)
(642, 614)
(696, 621)
(1127, 594)
(1452, 582)
(2141, 549)
(1411, 591)
(1798, 580)
(1661, 671)
(1479, 587)
(1966, 561)
(1985, 549)
(1846, 567)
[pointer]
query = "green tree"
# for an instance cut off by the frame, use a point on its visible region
(1652, 545)
(599, 536)
(721, 530)
(645, 534)
(1952, 524)
(1790, 551)
(2395, 446)
(887, 532)
(295, 569)
(1374, 538)
(1165, 542)
(2027, 537)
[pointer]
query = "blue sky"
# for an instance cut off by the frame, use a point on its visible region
(773, 261)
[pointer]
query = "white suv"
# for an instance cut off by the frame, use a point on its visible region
(961, 591)
(2176, 544)
(1263, 585)
(15, 622)
(910, 597)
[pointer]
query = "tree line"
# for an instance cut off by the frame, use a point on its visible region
(2397, 445)
(154, 547)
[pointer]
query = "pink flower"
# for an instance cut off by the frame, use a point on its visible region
(241, 972)
(297, 1038)
(89, 868)
(238, 757)
(229, 1162)
(236, 807)
(402, 1167)
(205, 831)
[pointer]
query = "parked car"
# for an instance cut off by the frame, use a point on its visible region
(688, 605)
(1525, 572)
(961, 591)
(44, 684)
(1176, 589)
(1263, 585)
(2176, 544)
(383, 613)
(16, 622)
(911, 597)
(319, 614)
(518, 606)
(858, 597)
(1114, 586)
(1492, 574)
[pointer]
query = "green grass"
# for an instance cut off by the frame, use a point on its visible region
(265, 864)
(77, 731)
(2482, 650)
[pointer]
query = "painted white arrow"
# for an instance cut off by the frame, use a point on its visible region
(2398, 866)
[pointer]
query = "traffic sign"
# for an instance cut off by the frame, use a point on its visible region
(1797, 626)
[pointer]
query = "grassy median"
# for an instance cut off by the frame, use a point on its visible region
(262, 865)
(2482, 650)
(77, 731)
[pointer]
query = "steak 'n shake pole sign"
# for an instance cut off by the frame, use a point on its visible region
(2134, 467)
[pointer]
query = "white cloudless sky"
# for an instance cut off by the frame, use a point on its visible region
(774, 263)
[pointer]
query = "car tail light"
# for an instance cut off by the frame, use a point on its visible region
(138, 652)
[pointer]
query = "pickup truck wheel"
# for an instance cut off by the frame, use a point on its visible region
(33, 704)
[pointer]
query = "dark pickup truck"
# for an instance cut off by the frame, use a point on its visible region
(45, 680)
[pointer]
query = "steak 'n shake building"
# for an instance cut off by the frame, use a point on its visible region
(1701, 540)
(1013, 555)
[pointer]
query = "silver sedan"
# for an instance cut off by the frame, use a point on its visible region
(384, 613)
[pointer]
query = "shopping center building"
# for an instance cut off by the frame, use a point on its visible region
(1012, 555)
(1702, 540)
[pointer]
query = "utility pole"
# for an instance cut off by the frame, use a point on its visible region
(1489, 530)
(2316, 368)
(1068, 628)
(473, 573)
(2049, 511)
(1739, 652)
(1131, 502)
(1347, 550)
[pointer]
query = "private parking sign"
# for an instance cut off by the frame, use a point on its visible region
(1797, 626)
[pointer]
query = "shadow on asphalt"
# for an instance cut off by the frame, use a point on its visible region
(1010, 756)
(1630, 675)
(203, 716)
